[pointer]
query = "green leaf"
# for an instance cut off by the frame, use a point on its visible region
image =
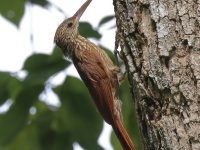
(23, 140)
(40, 2)
(4, 94)
(57, 55)
(106, 19)
(50, 136)
(115, 142)
(41, 66)
(40, 135)
(87, 31)
(78, 115)
(13, 10)
(9, 86)
(15, 119)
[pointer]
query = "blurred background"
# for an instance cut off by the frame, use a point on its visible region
(43, 103)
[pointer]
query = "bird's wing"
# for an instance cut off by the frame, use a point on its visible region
(95, 75)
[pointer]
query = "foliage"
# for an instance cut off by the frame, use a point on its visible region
(51, 127)
(105, 20)
(12, 10)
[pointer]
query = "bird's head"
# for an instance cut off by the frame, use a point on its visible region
(68, 29)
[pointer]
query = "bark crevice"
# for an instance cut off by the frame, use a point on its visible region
(160, 42)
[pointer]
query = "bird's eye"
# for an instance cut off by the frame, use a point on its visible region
(69, 24)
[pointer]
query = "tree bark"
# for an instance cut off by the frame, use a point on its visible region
(160, 46)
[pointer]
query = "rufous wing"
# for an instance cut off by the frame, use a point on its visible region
(95, 75)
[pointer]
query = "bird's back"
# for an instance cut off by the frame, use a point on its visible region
(95, 75)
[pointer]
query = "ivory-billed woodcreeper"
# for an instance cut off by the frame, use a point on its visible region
(97, 72)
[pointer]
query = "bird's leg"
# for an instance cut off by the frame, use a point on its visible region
(117, 53)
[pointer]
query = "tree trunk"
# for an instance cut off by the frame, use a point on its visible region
(160, 45)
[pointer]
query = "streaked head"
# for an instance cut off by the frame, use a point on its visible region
(68, 29)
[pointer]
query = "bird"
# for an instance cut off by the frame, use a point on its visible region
(97, 71)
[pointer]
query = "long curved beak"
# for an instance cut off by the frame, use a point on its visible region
(81, 10)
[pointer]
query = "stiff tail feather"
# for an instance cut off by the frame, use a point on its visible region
(123, 136)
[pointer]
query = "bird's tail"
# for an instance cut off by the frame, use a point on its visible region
(123, 136)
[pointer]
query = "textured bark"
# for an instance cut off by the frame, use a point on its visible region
(160, 45)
